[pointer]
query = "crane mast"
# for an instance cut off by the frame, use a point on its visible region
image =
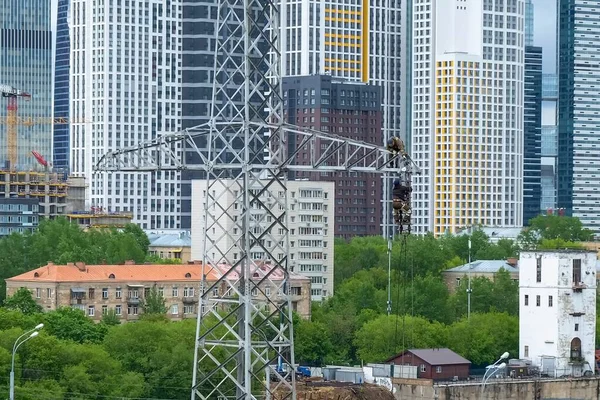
(11, 122)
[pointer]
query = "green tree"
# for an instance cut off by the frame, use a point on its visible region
(140, 236)
(381, 338)
(70, 324)
(485, 337)
(551, 227)
(312, 344)
(154, 303)
(23, 301)
(111, 318)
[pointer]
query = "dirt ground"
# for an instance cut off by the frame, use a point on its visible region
(341, 391)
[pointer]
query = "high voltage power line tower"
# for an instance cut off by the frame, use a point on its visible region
(244, 343)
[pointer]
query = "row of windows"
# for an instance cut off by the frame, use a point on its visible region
(134, 310)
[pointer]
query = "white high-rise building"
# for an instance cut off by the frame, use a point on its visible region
(125, 88)
(467, 122)
(557, 311)
(310, 214)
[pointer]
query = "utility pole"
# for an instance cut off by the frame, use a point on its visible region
(389, 301)
(469, 288)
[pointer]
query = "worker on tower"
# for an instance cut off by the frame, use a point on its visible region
(396, 146)
(401, 203)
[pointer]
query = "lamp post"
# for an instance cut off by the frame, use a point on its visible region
(469, 288)
(32, 333)
(495, 368)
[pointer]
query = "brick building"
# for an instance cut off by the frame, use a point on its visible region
(96, 289)
(436, 364)
(351, 110)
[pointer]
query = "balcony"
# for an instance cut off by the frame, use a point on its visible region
(190, 300)
(77, 300)
(134, 301)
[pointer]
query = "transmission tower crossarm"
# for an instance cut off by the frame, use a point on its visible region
(327, 153)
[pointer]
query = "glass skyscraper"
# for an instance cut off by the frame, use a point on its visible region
(578, 105)
(26, 64)
(61, 87)
(532, 125)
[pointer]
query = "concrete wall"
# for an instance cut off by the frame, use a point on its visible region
(572, 389)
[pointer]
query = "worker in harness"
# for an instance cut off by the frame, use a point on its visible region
(396, 146)
(401, 203)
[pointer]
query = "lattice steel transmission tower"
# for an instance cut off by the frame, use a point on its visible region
(244, 339)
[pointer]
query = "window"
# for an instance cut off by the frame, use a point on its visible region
(216, 292)
(49, 293)
(526, 299)
(526, 351)
(576, 349)
(538, 300)
(118, 310)
(105, 293)
(538, 277)
(91, 293)
(576, 327)
(175, 309)
(161, 291)
(576, 271)
(550, 301)
(255, 292)
(132, 310)
(175, 292)
(188, 292)
(423, 368)
(457, 282)
(38, 293)
(91, 311)
(268, 290)
(118, 293)
(438, 369)
(188, 309)
(104, 310)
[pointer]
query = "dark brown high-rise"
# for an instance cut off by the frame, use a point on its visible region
(348, 109)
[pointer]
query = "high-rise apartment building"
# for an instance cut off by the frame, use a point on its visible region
(532, 152)
(26, 64)
(549, 142)
(358, 40)
(348, 109)
(126, 83)
(61, 86)
(578, 169)
(467, 100)
(310, 214)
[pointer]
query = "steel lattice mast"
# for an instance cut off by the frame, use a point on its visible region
(241, 330)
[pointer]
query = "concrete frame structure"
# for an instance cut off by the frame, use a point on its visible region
(557, 310)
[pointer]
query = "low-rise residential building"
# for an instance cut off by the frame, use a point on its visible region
(168, 245)
(310, 215)
(99, 219)
(436, 364)
(96, 289)
(557, 311)
(455, 277)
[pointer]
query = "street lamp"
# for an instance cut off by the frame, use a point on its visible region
(494, 368)
(32, 333)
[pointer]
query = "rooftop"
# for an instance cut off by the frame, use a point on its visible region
(442, 356)
(128, 272)
(180, 239)
(483, 266)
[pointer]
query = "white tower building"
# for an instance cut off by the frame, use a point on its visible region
(311, 217)
(557, 310)
(467, 101)
(126, 88)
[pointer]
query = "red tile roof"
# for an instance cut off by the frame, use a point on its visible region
(128, 272)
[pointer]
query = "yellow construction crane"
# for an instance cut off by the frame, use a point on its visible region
(31, 121)
(11, 121)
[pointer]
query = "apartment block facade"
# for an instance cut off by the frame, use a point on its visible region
(96, 289)
(310, 216)
(126, 84)
(347, 109)
(467, 101)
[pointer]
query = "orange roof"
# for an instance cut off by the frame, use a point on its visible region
(122, 273)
